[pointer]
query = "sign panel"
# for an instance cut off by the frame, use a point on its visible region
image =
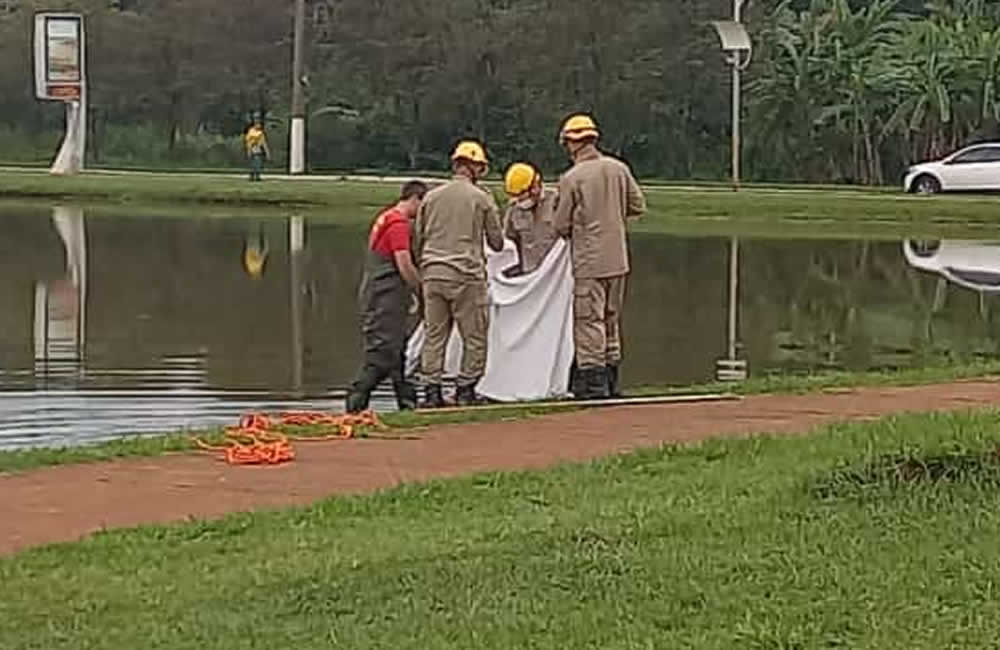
(59, 56)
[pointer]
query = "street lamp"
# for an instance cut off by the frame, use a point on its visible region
(739, 50)
(297, 149)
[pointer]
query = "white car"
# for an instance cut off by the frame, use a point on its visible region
(971, 264)
(975, 168)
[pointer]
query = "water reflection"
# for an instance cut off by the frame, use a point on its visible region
(296, 239)
(111, 325)
(61, 304)
(971, 264)
(733, 368)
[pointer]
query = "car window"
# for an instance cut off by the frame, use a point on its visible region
(971, 156)
(979, 155)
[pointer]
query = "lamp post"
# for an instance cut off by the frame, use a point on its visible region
(739, 50)
(297, 153)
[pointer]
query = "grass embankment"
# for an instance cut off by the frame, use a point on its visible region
(354, 201)
(876, 535)
(781, 383)
(157, 445)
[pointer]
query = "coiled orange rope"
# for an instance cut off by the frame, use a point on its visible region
(261, 439)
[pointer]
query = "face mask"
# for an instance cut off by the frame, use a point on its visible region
(526, 204)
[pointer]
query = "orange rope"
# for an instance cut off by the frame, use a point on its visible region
(259, 440)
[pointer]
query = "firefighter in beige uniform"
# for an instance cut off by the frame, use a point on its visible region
(530, 218)
(448, 244)
(596, 196)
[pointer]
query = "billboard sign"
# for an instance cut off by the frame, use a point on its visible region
(59, 56)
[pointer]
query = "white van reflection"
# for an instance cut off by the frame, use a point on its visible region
(971, 264)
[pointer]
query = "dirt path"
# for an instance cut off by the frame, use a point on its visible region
(66, 503)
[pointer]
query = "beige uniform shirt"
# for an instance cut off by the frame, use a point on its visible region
(534, 231)
(596, 196)
(449, 230)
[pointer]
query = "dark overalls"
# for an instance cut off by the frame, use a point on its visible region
(383, 300)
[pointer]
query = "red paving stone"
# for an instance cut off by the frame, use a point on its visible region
(66, 503)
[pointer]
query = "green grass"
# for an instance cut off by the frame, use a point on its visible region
(787, 383)
(729, 544)
(821, 212)
(158, 445)
(205, 189)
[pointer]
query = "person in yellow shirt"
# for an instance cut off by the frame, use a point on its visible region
(257, 149)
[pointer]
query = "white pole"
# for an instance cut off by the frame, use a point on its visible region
(71, 158)
(736, 121)
(297, 153)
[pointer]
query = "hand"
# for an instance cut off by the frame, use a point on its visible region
(416, 305)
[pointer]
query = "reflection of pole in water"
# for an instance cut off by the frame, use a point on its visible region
(732, 368)
(296, 246)
(61, 309)
(734, 283)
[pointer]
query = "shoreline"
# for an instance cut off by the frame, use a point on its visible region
(166, 443)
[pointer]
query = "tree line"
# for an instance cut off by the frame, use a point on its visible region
(837, 90)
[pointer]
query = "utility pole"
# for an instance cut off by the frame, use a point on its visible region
(737, 99)
(297, 153)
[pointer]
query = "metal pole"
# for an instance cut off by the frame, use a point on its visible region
(737, 17)
(736, 121)
(297, 154)
(734, 289)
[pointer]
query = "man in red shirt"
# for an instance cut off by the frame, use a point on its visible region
(384, 297)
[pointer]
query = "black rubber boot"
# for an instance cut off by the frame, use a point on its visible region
(466, 395)
(614, 389)
(356, 401)
(433, 397)
(406, 395)
(360, 393)
(576, 385)
(597, 383)
(594, 382)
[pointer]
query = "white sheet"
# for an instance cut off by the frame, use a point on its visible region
(530, 344)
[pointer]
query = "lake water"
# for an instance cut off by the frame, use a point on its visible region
(112, 325)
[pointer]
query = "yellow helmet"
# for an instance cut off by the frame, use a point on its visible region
(519, 178)
(579, 127)
(470, 150)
